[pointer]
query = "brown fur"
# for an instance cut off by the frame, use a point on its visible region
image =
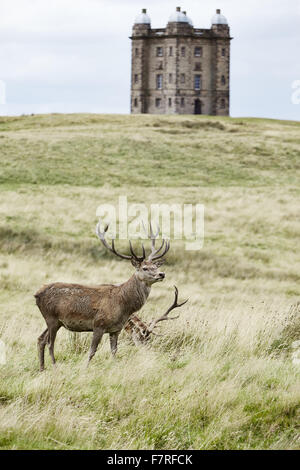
(138, 330)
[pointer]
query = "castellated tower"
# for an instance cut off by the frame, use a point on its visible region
(180, 69)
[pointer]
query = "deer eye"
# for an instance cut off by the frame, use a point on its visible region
(145, 269)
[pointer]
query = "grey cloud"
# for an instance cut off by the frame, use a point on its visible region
(64, 54)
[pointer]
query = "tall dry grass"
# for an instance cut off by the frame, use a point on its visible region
(221, 377)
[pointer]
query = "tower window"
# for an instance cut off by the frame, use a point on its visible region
(159, 51)
(223, 80)
(222, 103)
(183, 51)
(182, 102)
(182, 78)
(135, 102)
(198, 66)
(197, 82)
(223, 52)
(136, 78)
(159, 81)
(136, 52)
(198, 51)
(160, 66)
(170, 101)
(170, 50)
(157, 102)
(170, 77)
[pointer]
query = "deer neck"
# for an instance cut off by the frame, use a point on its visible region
(134, 294)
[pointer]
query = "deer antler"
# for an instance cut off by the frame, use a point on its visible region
(153, 324)
(101, 235)
(154, 252)
(154, 255)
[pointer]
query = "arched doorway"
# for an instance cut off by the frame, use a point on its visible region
(198, 107)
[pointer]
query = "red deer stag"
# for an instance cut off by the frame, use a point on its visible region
(103, 308)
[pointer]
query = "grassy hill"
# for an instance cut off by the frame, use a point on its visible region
(93, 150)
(222, 375)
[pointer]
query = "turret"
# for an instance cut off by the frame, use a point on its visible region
(142, 24)
(139, 63)
(221, 33)
(178, 23)
(219, 24)
(189, 19)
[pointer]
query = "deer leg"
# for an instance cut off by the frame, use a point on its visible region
(42, 340)
(52, 335)
(113, 337)
(97, 335)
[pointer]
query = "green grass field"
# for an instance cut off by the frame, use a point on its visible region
(221, 377)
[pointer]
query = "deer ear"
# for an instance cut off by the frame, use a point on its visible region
(159, 262)
(135, 263)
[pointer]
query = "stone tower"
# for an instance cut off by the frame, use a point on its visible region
(180, 69)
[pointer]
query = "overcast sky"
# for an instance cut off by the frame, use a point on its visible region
(74, 55)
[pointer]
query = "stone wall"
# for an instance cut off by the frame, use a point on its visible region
(178, 66)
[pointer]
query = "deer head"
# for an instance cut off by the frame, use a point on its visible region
(147, 269)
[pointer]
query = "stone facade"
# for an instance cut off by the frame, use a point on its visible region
(180, 69)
